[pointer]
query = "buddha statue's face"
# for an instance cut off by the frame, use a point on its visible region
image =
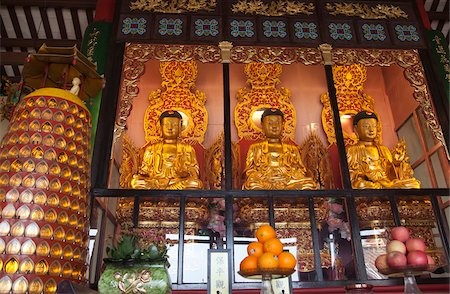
(272, 126)
(170, 127)
(366, 129)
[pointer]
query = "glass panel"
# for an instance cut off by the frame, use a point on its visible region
(291, 95)
(417, 215)
(158, 221)
(197, 243)
(189, 148)
(429, 138)
(409, 132)
(336, 252)
(445, 200)
(438, 169)
(375, 219)
(421, 173)
(372, 102)
(293, 228)
(253, 212)
(94, 250)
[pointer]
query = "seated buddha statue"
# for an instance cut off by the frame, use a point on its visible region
(273, 164)
(168, 164)
(374, 166)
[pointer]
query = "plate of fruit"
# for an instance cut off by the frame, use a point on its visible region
(405, 255)
(266, 257)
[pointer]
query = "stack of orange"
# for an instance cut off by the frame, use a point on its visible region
(267, 253)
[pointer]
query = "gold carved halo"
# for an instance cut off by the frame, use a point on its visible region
(349, 83)
(262, 95)
(178, 80)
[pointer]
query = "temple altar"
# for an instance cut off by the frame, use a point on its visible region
(221, 67)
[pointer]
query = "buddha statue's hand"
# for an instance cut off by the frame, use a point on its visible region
(137, 182)
(183, 174)
(387, 183)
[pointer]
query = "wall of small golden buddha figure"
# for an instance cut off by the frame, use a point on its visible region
(44, 188)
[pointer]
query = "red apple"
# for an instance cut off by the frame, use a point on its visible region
(381, 263)
(396, 245)
(400, 233)
(417, 258)
(415, 244)
(430, 260)
(396, 260)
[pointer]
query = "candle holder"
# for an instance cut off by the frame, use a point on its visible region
(408, 274)
(266, 276)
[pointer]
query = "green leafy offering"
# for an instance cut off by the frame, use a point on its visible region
(143, 244)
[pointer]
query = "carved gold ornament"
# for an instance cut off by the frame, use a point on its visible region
(178, 79)
(263, 94)
(92, 43)
(274, 8)
(379, 11)
(174, 6)
(349, 83)
(280, 55)
(131, 159)
(315, 157)
(135, 57)
(215, 171)
(163, 213)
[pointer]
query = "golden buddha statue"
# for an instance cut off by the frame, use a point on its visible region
(168, 164)
(273, 164)
(374, 166)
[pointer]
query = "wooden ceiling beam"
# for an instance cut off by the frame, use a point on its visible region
(13, 58)
(52, 3)
(37, 43)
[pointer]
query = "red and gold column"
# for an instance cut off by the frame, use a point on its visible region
(44, 193)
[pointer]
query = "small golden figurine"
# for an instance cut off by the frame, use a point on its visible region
(374, 166)
(168, 164)
(273, 164)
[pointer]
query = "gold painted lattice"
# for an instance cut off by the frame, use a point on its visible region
(263, 94)
(178, 80)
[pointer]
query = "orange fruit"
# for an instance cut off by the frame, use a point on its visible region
(273, 245)
(264, 233)
(255, 248)
(286, 260)
(249, 263)
(268, 261)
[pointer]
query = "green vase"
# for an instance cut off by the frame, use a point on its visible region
(135, 276)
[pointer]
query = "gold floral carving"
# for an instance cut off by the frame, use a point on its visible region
(274, 8)
(349, 83)
(135, 58)
(131, 159)
(214, 159)
(414, 73)
(293, 213)
(263, 93)
(379, 11)
(92, 43)
(316, 158)
(165, 211)
(280, 55)
(178, 79)
(174, 6)
(130, 283)
(235, 164)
